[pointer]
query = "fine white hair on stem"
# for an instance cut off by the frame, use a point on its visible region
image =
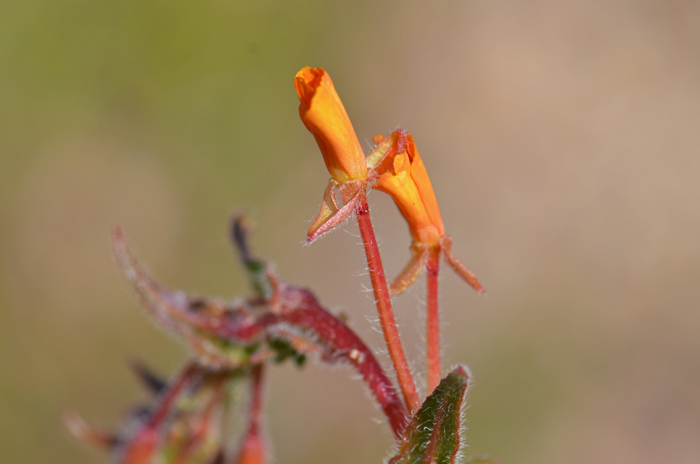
(353, 234)
(365, 288)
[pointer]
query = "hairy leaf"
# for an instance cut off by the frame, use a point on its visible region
(433, 435)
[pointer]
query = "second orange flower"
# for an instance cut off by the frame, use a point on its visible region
(406, 180)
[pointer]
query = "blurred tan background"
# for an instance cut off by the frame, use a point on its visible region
(563, 142)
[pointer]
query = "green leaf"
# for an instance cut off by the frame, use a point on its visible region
(284, 350)
(433, 435)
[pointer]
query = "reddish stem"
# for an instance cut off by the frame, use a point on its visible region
(256, 394)
(342, 341)
(297, 309)
(252, 449)
(144, 442)
(383, 302)
(433, 321)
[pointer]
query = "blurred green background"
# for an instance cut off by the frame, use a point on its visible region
(563, 141)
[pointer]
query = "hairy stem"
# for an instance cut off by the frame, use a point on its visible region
(342, 340)
(383, 302)
(433, 321)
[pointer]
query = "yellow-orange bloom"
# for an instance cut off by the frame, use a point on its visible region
(325, 117)
(403, 176)
(408, 184)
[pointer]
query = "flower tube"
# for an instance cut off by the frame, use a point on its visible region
(325, 117)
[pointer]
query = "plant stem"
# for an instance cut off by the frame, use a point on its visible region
(252, 447)
(339, 338)
(256, 394)
(383, 302)
(433, 321)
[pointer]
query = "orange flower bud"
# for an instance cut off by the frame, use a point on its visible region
(408, 184)
(325, 117)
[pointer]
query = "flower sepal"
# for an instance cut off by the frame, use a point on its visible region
(419, 259)
(457, 266)
(333, 213)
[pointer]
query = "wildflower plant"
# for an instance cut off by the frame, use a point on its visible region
(187, 421)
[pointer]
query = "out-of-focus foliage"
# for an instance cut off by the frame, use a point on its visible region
(286, 322)
(184, 423)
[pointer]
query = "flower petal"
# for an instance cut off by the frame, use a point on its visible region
(325, 117)
(400, 184)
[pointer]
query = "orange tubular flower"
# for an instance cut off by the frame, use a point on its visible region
(406, 180)
(325, 117)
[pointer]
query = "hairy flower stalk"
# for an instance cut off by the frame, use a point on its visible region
(383, 301)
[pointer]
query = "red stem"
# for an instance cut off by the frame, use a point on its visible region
(252, 448)
(343, 341)
(297, 307)
(383, 302)
(256, 393)
(433, 322)
(144, 442)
